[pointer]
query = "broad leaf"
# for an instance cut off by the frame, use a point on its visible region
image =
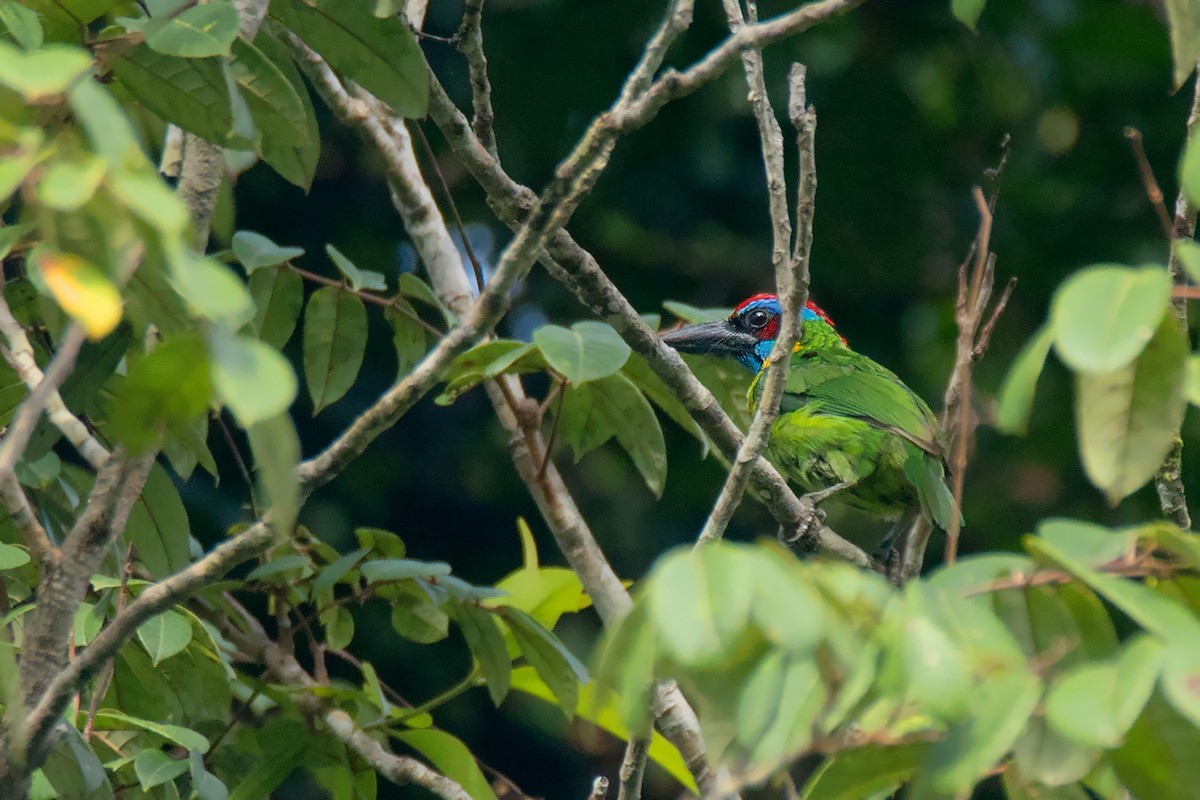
(1105, 315)
(253, 251)
(278, 297)
(335, 338)
(483, 636)
(165, 635)
(628, 413)
(400, 569)
(22, 24)
(584, 352)
(169, 388)
(968, 11)
(158, 526)
(154, 767)
(43, 73)
(359, 278)
(252, 378)
(379, 54)
(554, 663)
(1183, 24)
(207, 29)
(190, 92)
(276, 450)
(452, 758)
(297, 162)
(1128, 419)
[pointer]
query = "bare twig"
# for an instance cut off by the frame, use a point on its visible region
(469, 41)
(1149, 182)
(633, 767)
(25, 419)
(1169, 481)
(599, 788)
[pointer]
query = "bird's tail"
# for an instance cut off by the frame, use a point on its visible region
(927, 474)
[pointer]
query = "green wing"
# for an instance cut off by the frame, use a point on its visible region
(926, 473)
(848, 384)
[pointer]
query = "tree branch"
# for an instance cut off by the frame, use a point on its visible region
(153, 600)
(791, 273)
(469, 41)
(255, 644)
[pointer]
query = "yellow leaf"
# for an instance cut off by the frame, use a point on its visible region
(83, 291)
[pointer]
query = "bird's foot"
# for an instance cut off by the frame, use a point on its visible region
(891, 560)
(812, 518)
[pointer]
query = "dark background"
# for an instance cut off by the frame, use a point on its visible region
(912, 109)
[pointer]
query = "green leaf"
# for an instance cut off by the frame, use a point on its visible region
(1181, 677)
(554, 663)
(639, 373)
(1127, 420)
(408, 336)
(9, 236)
(1103, 316)
(66, 184)
(151, 199)
(107, 127)
(158, 526)
(254, 251)
(483, 636)
(282, 755)
(581, 424)
(165, 635)
(402, 569)
(12, 556)
(414, 288)
(276, 450)
(211, 289)
(154, 767)
(1189, 170)
(693, 315)
(1090, 543)
(206, 785)
(274, 103)
(252, 378)
(169, 388)
(44, 73)
(295, 564)
(1097, 702)
(1187, 251)
(278, 297)
(999, 711)
(864, 771)
(1015, 402)
(339, 627)
(1191, 385)
(22, 24)
(417, 618)
(190, 92)
(207, 29)
(333, 573)
(1157, 758)
(111, 719)
(359, 278)
(379, 54)
(17, 162)
(627, 411)
(335, 339)
(296, 162)
(1183, 24)
(586, 351)
(450, 757)
(968, 11)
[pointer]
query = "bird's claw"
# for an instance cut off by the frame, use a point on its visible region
(812, 518)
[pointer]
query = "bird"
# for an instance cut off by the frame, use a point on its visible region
(847, 426)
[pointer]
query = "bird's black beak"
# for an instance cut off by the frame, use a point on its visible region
(711, 338)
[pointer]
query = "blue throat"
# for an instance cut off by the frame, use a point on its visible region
(754, 359)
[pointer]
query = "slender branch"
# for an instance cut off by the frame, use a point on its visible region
(1149, 182)
(1169, 480)
(633, 767)
(21, 357)
(791, 273)
(469, 40)
(12, 446)
(25, 518)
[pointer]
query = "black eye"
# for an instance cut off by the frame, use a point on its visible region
(757, 319)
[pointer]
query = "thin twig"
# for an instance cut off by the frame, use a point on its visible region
(599, 788)
(469, 41)
(367, 297)
(1153, 193)
(791, 273)
(633, 767)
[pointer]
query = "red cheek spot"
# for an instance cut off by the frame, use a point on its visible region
(770, 331)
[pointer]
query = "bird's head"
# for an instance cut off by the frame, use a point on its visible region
(750, 331)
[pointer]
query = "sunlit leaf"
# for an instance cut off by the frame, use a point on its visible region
(206, 29)
(252, 378)
(82, 290)
(584, 352)
(1105, 315)
(22, 24)
(67, 183)
(48, 71)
